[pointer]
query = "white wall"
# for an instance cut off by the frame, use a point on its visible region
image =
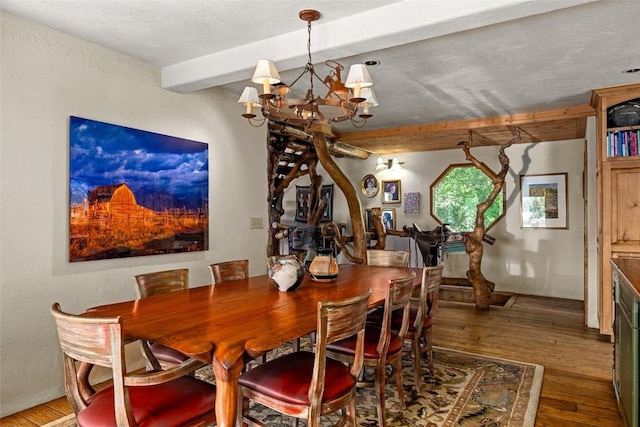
(46, 77)
(525, 261)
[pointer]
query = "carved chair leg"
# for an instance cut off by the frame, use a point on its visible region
(398, 375)
(428, 348)
(380, 382)
(417, 365)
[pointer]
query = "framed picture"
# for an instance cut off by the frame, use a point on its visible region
(388, 218)
(302, 202)
(411, 202)
(391, 191)
(543, 201)
(130, 194)
(369, 186)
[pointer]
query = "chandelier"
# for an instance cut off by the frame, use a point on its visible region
(343, 101)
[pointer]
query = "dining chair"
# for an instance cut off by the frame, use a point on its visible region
(305, 384)
(229, 270)
(421, 316)
(160, 398)
(157, 355)
(382, 345)
(387, 258)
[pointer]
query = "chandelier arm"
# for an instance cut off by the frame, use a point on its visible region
(306, 70)
(257, 123)
(358, 123)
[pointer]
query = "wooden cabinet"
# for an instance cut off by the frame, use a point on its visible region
(618, 198)
(626, 349)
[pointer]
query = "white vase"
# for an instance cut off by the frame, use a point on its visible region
(286, 273)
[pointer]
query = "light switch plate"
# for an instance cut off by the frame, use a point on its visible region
(256, 222)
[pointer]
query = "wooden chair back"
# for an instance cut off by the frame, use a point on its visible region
(398, 298)
(99, 341)
(94, 341)
(229, 270)
(427, 302)
(338, 320)
(384, 258)
(159, 282)
(425, 307)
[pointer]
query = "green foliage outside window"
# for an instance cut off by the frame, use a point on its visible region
(456, 194)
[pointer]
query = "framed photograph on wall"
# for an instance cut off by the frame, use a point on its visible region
(368, 213)
(543, 201)
(302, 202)
(391, 191)
(369, 186)
(388, 218)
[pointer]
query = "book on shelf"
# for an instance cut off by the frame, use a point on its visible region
(623, 143)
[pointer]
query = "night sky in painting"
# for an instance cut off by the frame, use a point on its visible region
(162, 171)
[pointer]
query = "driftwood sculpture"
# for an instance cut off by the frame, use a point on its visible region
(482, 287)
(293, 153)
(353, 202)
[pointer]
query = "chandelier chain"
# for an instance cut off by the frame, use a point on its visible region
(309, 63)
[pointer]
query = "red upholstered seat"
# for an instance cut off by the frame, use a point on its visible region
(371, 338)
(167, 354)
(174, 403)
(375, 318)
(289, 377)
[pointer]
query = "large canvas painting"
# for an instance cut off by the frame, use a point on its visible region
(134, 192)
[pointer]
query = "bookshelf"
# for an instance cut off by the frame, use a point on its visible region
(618, 191)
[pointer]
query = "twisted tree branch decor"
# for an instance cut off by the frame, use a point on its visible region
(482, 287)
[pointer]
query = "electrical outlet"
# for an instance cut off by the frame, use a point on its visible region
(256, 222)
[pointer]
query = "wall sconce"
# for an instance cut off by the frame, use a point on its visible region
(392, 164)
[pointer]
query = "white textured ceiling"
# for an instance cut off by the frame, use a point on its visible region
(439, 60)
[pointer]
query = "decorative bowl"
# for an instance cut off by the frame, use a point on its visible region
(286, 272)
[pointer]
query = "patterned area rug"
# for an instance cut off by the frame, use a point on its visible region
(466, 390)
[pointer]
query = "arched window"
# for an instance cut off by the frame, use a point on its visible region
(456, 193)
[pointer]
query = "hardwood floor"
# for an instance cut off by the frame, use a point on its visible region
(576, 389)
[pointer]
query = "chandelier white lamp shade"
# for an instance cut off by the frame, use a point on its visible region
(369, 101)
(341, 102)
(358, 79)
(266, 74)
(250, 99)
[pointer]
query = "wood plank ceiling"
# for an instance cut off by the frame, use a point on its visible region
(550, 125)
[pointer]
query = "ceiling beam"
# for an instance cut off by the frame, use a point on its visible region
(550, 125)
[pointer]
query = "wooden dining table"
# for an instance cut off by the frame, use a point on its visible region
(229, 324)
